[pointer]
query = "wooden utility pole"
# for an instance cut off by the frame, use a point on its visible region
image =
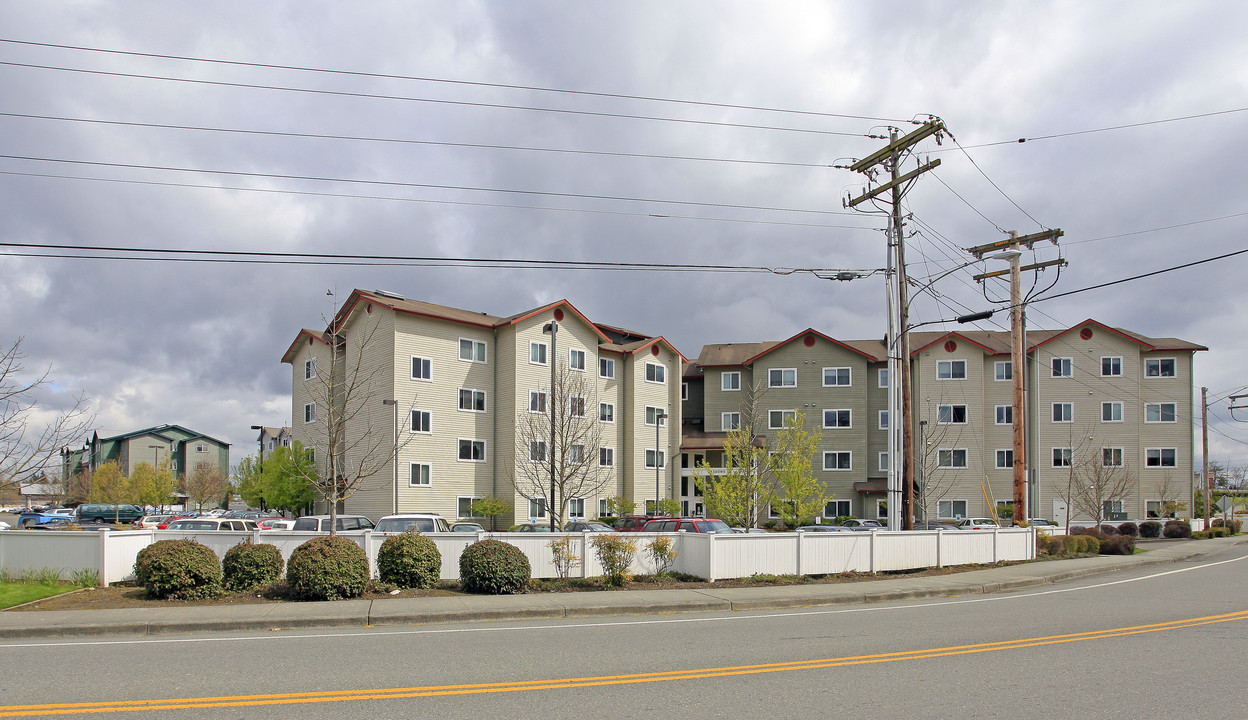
(1204, 452)
(900, 514)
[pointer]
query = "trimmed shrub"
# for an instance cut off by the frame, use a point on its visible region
(1089, 544)
(1070, 544)
(248, 565)
(327, 568)
(1217, 532)
(1129, 529)
(409, 560)
(1150, 529)
(493, 567)
(178, 570)
(615, 554)
(1107, 530)
(1118, 545)
(1234, 526)
(1177, 529)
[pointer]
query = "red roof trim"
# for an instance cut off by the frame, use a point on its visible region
(954, 333)
(557, 303)
(1100, 325)
(358, 295)
(656, 340)
(286, 357)
(832, 340)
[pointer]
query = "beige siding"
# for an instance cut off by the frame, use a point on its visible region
(955, 483)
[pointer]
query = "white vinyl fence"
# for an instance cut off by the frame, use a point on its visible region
(714, 557)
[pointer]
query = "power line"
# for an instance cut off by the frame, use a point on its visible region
(1158, 229)
(434, 101)
(1138, 277)
(467, 83)
(438, 143)
(990, 182)
(1108, 129)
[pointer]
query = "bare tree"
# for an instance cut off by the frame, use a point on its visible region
(205, 484)
(936, 480)
(31, 438)
(571, 469)
(1101, 479)
(1169, 492)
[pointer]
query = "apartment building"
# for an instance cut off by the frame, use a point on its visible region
(452, 392)
(184, 449)
(1094, 394)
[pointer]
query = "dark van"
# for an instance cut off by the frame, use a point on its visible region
(94, 512)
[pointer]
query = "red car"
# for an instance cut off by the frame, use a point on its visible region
(634, 523)
(693, 525)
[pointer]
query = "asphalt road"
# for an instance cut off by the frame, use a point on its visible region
(1126, 644)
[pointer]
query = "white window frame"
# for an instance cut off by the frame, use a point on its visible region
(1067, 412)
(846, 413)
(606, 412)
(459, 446)
(472, 398)
(729, 421)
(1061, 367)
(953, 506)
(835, 456)
(459, 514)
(784, 414)
(541, 399)
(576, 508)
(606, 457)
(1007, 411)
(576, 359)
(950, 373)
(730, 381)
(882, 378)
(1000, 455)
(1108, 453)
(1064, 460)
(1161, 457)
(836, 377)
(1161, 412)
(953, 455)
(538, 504)
(1003, 371)
(952, 415)
(309, 413)
(425, 420)
(476, 350)
(1160, 364)
(309, 369)
(419, 478)
(656, 373)
(882, 462)
(545, 353)
(652, 413)
(422, 365)
(1113, 360)
(784, 376)
(576, 402)
(576, 454)
(650, 459)
(602, 507)
(1115, 408)
(883, 420)
(606, 368)
(839, 505)
(537, 451)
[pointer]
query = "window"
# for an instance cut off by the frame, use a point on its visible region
(1160, 457)
(882, 462)
(1061, 457)
(537, 401)
(1063, 412)
(537, 451)
(576, 454)
(1005, 414)
(1004, 370)
(603, 507)
(576, 360)
(463, 506)
(950, 369)
(684, 391)
(777, 418)
(782, 377)
(606, 368)
(419, 475)
(421, 368)
(472, 400)
(883, 419)
(576, 406)
(656, 373)
(472, 450)
(1111, 367)
(422, 421)
(1111, 457)
(837, 418)
(951, 509)
(537, 508)
(1159, 367)
(838, 460)
(576, 508)
(837, 508)
(1061, 367)
(1111, 412)
(1005, 459)
(883, 378)
(650, 459)
(1109, 507)
(606, 458)
(951, 458)
(309, 413)
(471, 350)
(537, 353)
(1159, 412)
(1159, 508)
(655, 416)
(730, 421)
(950, 414)
(606, 412)
(730, 381)
(309, 369)
(837, 377)
(201, 448)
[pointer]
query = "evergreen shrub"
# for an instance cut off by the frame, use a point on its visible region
(409, 560)
(248, 565)
(178, 570)
(327, 568)
(493, 567)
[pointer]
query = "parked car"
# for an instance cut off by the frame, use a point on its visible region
(424, 523)
(634, 523)
(42, 517)
(977, 524)
(530, 527)
(1041, 522)
(5, 526)
(862, 524)
(320, 523)
(825, 528)
(98, 513)
(151, 521)
(467, 527)
(745, 530)
(932, 525)
(211, 523)
(587, 526)
(275, 523)
(693, 525)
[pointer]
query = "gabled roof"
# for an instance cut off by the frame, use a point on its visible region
(731, 354)
(638, 346)
(1146, 342)
(520, 317)
(288, 356)
(980, 339)
(162, 431)
(811, 331)
(401, 304)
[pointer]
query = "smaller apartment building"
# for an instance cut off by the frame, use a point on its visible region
(184, 449)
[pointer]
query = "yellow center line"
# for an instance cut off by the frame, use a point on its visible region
(567, 683)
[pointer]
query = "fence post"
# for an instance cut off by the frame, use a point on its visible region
(710, 557)
(584, 554)
(871, 552)
(103, 580)
(798, 537)
(940, 539)
(995, 555)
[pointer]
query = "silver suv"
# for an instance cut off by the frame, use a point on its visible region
(424, 523)
(320, 523)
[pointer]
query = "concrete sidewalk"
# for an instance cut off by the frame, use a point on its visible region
(415, 611)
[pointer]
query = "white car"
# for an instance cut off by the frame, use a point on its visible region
(423, 523)
(977, 524)
(5, 526)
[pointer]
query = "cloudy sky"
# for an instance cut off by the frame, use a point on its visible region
(680, 134)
